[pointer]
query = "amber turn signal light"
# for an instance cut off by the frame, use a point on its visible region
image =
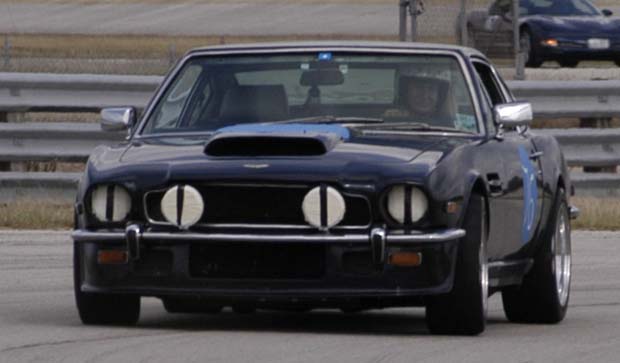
(112, 257)
(550, 42)
(407, 259)
(452, 207)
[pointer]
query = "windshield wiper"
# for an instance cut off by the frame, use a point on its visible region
(414, 126)
(329, 119)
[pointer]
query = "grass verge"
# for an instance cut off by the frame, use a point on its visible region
(31, 214)
(145, 46)
(596, 214)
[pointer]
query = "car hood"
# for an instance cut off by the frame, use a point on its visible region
(579, 25)
(347, 155)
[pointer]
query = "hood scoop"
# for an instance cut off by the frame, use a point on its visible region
(265, 145)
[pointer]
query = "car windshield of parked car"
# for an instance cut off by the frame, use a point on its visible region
(558, 8)
(210, 93)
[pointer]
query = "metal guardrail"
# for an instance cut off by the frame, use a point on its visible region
(43, 141)
(40, 186)
(588, 147)
(74, 141)
(563, 99)
(20, 92)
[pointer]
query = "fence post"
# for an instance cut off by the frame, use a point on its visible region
(516, 38)
(463, 23)
(6, 52)
(4, 116)
(402, 19)
(172, 54)
(413, 11)
(4, 166)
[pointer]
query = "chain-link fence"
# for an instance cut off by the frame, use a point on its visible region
(483, 24)
(487, 26)
(478, 23)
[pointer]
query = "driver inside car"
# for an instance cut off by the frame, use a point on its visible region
(424, 99)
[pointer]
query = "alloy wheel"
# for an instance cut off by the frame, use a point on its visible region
(561, 248)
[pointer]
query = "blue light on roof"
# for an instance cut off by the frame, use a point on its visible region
(325, 56)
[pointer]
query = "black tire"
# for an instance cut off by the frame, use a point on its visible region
(190, 306)
(464, 310)
(568, 63)
(352, 310)
(532, 59)
(539, 298)
(244, 309)
(103, 309)
(617, 62)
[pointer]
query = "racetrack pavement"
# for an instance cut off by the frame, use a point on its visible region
(38, 321)
(220, 18)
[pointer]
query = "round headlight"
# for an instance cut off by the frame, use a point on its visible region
(397, 203)
(182, 205)
(323, 207)
(110, 203)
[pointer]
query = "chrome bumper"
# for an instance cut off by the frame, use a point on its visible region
(413, 237)
(574, 212)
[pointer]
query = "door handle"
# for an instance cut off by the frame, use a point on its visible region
(536, 155)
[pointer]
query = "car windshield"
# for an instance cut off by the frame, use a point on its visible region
(558, 8)
(210, 93)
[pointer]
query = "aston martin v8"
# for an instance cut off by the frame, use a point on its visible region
(566, 31)
(342, 175)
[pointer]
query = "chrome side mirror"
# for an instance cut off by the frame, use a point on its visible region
(513, 114)
(493, 23)
(118, 118)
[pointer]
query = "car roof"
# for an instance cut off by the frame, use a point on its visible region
(302, 45)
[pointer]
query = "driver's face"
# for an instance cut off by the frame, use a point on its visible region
(423, 97)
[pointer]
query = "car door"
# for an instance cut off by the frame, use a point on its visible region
(493, 31)
(518, 186)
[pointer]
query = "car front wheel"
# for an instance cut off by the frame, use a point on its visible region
(103, 309)
(464, 310)
(543, 296)
(529, 51)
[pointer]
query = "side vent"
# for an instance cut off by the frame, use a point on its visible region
(265, 146)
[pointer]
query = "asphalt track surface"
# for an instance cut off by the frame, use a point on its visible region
(39, 323)
(234, 18)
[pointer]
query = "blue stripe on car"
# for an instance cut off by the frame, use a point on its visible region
(299, 128)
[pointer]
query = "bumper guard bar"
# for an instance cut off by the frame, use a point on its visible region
(134, 236)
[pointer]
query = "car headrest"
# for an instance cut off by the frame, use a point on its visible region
(263, 103)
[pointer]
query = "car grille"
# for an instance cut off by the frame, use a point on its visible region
(230, 205)
(265, 261)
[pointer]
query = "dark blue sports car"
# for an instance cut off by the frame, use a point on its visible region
(566, 31)
(327, 175)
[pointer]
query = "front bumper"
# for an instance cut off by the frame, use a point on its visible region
(577, 49)
(352, 266)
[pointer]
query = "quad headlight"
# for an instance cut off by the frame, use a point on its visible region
(110, 203)
(182, 206)
(406, 204)
(323, 207)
